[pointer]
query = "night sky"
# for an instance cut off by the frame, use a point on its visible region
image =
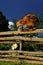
(18, 8)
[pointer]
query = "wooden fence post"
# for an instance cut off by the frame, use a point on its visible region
(20, 45)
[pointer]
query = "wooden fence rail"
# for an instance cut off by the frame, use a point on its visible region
(18, 32)
(24, 52)
(22, 57)
(21, 38)
(11, 39)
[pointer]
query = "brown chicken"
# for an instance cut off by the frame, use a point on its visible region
(30, 20)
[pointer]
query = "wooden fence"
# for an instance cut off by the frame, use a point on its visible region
(10, 36)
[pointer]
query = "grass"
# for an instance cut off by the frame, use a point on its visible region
(16, 63)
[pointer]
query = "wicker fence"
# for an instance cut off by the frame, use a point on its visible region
(9, 55)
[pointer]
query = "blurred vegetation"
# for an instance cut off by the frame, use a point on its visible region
(5, 46)
(3, 23)
(17, 63)
(14, 20)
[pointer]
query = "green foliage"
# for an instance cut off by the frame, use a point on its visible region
(15, 21)
(38, 25)
(15, 28)
(41, 21)
(27, 47)
(5, 46)
(17, 63)
(3, 22)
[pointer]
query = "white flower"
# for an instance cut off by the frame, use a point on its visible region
(14, 46)
(11, 25)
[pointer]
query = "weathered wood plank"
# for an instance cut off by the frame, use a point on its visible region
(20, 45)
(18, 60)
(25, 52)
(21, 38)
(22, 57)
(19, 32)
(8, 42)
(18, 42)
